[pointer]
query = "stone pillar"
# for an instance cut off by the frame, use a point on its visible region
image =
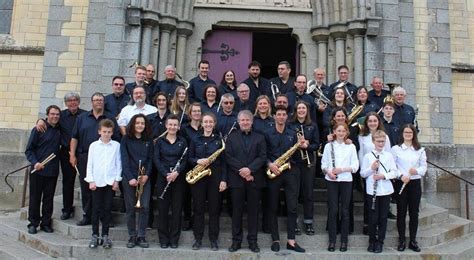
(320, 35)
(340, 51)
(155, 39)
(164, 48)
(145, 45)
(358, 60)
(184, 30)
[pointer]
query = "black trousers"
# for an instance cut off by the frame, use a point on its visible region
(206, 188)
(69, 177)
(41, 191)
(288, 180)
(86, 196)
(239, 195)
(338, 192)
(378, 217)
(408, 200)
(130, 198)
(151, 210)
(101, 207)
(305, 190)
(169, 227)
(187, 201)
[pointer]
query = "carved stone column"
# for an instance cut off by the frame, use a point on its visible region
(146, 44)
(166, 26)
(358, 29)
(338, 32)
(184, 30)
(320, 35)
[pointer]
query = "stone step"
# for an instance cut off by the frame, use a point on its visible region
(60, 245)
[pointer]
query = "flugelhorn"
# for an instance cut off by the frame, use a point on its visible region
(185, 83)
(312, 88)
(139, 189)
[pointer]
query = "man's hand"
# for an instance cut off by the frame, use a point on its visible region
(405, 179)
(171, 177)
(244, 172)
(379, 176)
(222, 186)
(92, 186)
(73, 159)
(274, 168)
(41, 126)
(38, 166)
(115, 186)
(133, 182)
(143, 179)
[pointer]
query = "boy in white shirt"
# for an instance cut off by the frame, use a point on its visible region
(378, 167)
(104, 170)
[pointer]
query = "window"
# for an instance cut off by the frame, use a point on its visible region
(6, 10)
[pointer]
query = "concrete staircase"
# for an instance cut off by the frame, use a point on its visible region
(441, 236)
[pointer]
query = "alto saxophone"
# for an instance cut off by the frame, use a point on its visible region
(139, 190)
(282, 161)
(200, 171)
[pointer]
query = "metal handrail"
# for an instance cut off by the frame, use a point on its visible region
(460, 178)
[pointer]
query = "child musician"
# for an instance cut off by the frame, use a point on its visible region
(378, 167)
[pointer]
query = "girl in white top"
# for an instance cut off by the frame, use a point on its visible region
(338, 170)
(378, 167)
(410, 159)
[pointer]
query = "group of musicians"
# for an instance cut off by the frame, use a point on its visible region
(188, 143)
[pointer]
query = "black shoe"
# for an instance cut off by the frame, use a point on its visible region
(141, 242)
(332, 247)
(84, 222)
(365, 230)
(107, 243)
(266, 230)
(413, 245)
(254, 247)
(391, 215)
(94, 242)
(214, 246)
(309, 230)
(132, 241)
(186, 225)
(295, 248)
(164, 245)
(66, 215)
(371, 247)
(32, 230)
(174, 245)
(47, 229)
(297, 231)
(343, 247)
(234, 247)
(401, 246)
(197, 245)
(378, 247)
(275, 246)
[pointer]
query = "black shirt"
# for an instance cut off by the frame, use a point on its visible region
(196, 89)
(311, 133)
(225, 122)
(157, 123)
(350, 87)
(114, 104)
(262, 89)
(279, 143)
(41, 145)
(392, 130)
(284, 87)
(167, 86)
(133, 150)
(167, 154)
(203, 147)
(404, 114)
(66, 124)
(294, 97)
(86, 130)
(371, 96)
(224, 89)
(262, 125)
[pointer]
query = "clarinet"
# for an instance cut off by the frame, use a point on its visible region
(333, 157)
(175, 168)
(374, 195)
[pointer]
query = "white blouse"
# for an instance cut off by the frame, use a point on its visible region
(104, 164)
(366, 145)
(345, 155)
(407, 157)
(384, 186)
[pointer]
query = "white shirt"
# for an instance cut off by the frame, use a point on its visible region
(130, 110)
(104, 165)
(345, 155)
(384, 186)
(407, 157)
(366, 145)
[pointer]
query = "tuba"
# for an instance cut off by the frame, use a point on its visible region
(282, 161)
(200, 171)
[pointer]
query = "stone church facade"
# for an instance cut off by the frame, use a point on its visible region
(427, 46)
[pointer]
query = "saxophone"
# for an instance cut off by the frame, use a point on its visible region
(282, 161)
(200, 171)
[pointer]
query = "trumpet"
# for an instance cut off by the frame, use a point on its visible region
(312, 88)
(275, 89)
(304, 154)
(185, 83)
(139, 189)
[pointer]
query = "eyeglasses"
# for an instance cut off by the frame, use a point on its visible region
(97, 100)
(380, 141)
(228, 102)
(118, 84)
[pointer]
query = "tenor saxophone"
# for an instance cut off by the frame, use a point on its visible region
(282, 161)
(200, 171)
